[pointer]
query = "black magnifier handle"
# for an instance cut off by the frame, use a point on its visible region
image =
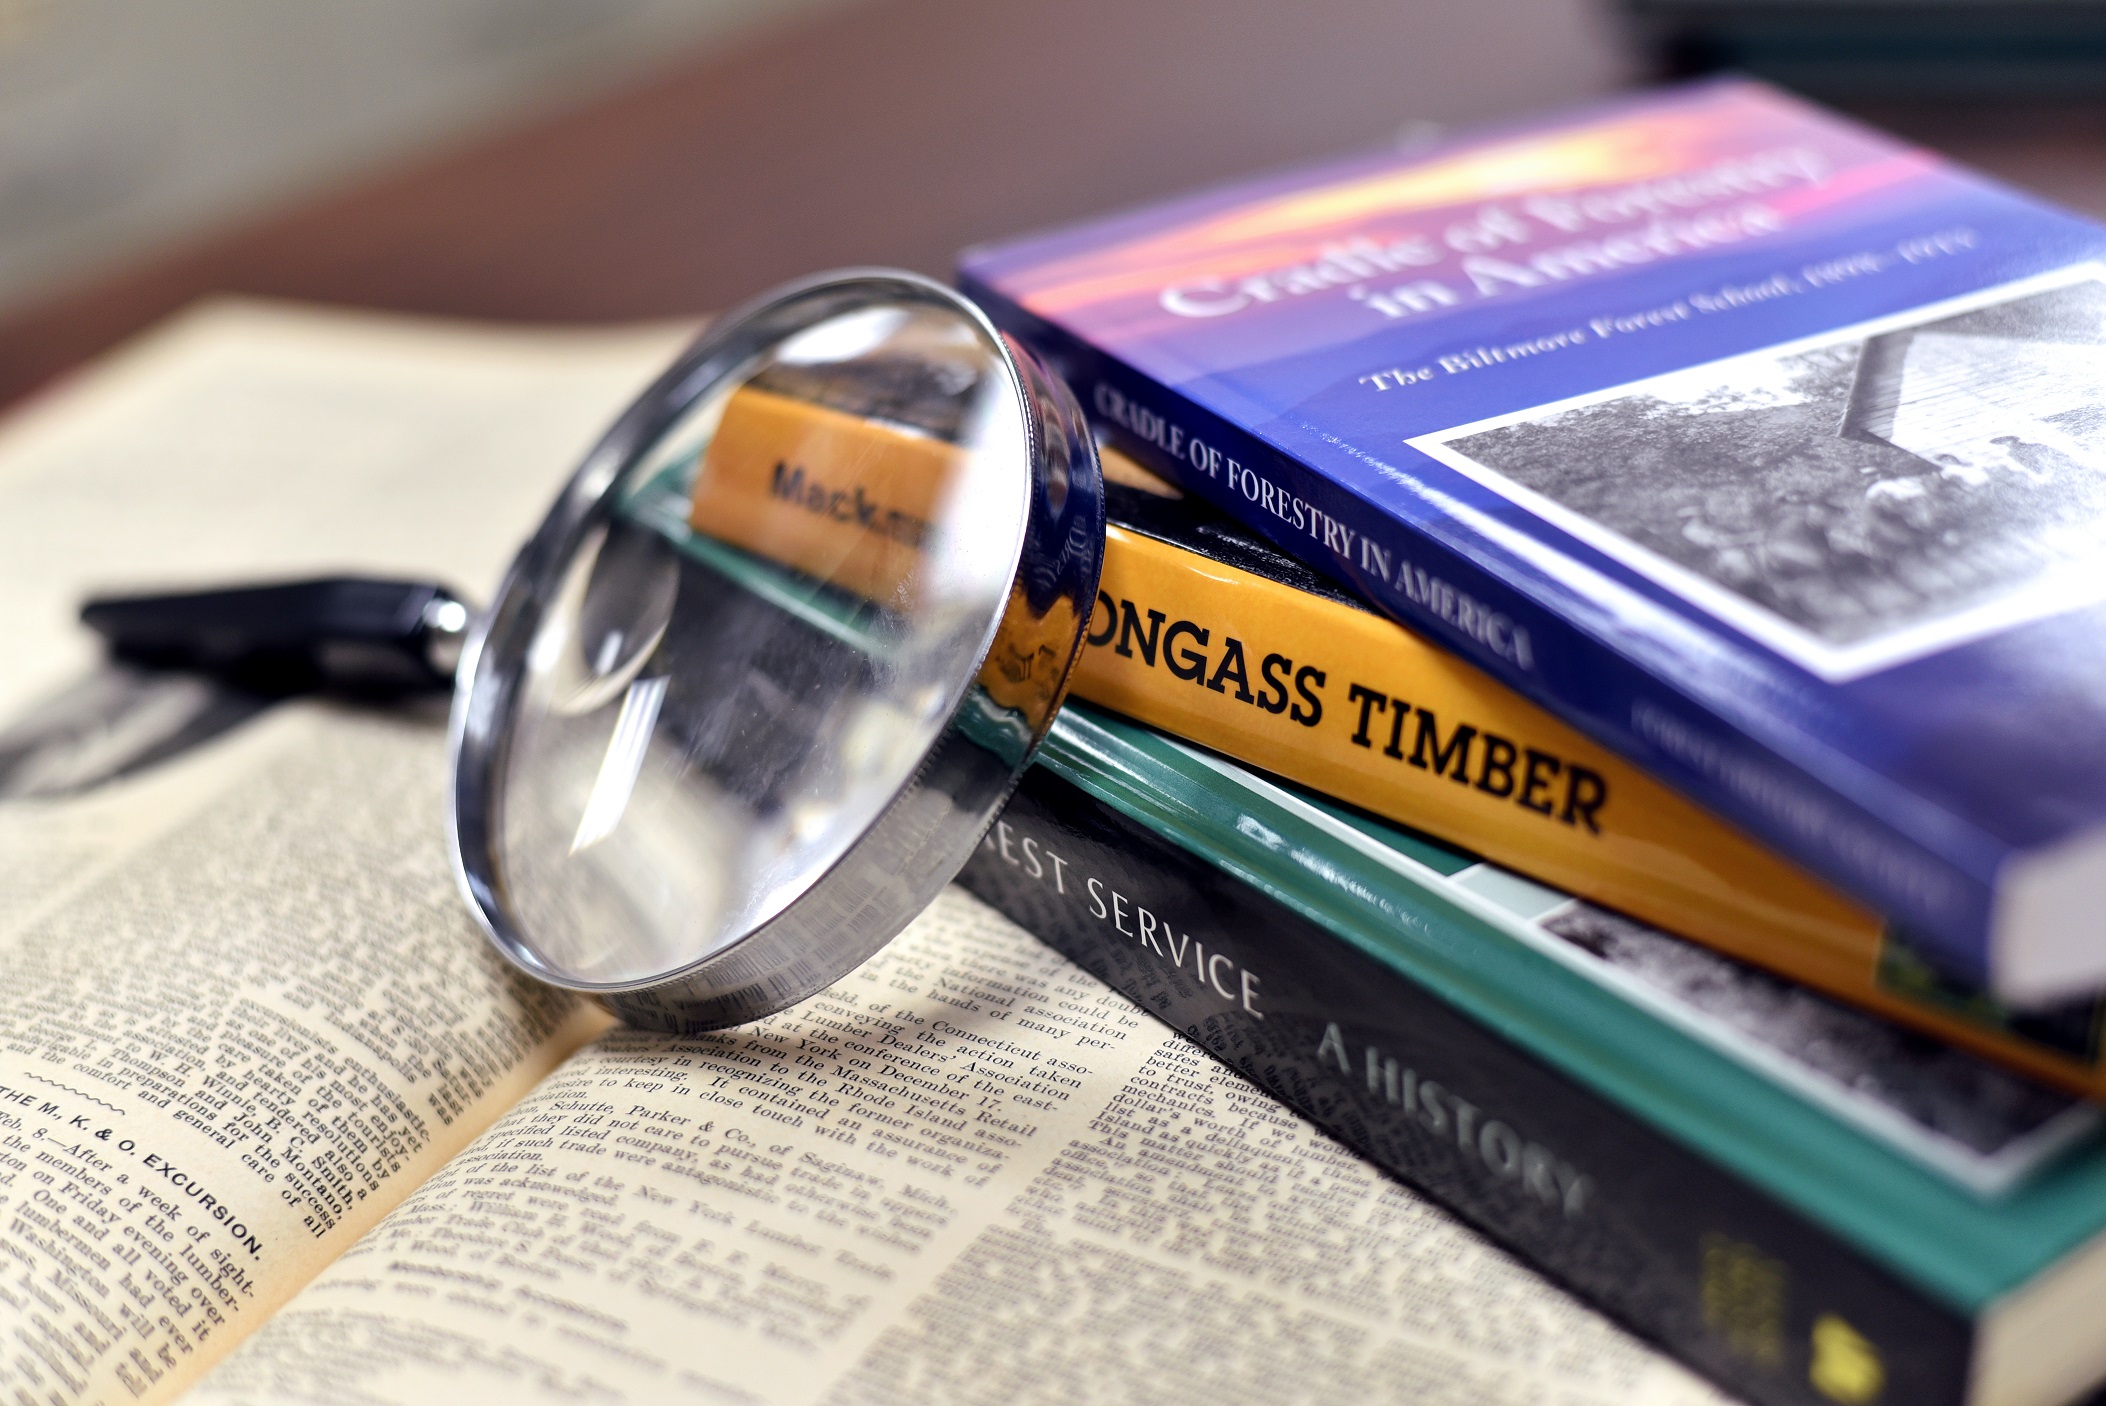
(343, 634)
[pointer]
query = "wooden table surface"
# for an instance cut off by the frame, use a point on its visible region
(898, 131)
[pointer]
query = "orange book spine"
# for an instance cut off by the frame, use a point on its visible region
(1354, 706)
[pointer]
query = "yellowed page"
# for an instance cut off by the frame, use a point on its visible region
(242, 1011)
(257, 440)
(911, 1190)
(230, 1052)
(248, 440)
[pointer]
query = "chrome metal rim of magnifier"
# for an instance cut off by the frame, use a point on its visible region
(940, 811)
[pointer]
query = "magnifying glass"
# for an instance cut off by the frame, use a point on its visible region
(753, 692)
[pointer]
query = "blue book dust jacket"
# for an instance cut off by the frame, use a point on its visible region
(1766, 449)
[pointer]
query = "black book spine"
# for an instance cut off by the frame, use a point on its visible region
(1743, 1288)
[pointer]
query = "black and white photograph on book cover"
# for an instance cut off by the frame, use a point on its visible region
(1854, 499)
(1975, 1123)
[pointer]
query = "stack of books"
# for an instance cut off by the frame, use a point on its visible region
(1595, 701)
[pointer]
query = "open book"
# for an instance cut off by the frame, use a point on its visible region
(276, 1125)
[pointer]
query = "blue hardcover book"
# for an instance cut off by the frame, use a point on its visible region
(1766, 449)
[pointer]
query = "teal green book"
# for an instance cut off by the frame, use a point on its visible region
(1802, 1201)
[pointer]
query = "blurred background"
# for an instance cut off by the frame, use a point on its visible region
(608, 159)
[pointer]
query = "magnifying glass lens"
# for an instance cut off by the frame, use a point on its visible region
(723, 679)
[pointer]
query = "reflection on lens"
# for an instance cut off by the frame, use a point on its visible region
(623, 763)
(750, 655)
